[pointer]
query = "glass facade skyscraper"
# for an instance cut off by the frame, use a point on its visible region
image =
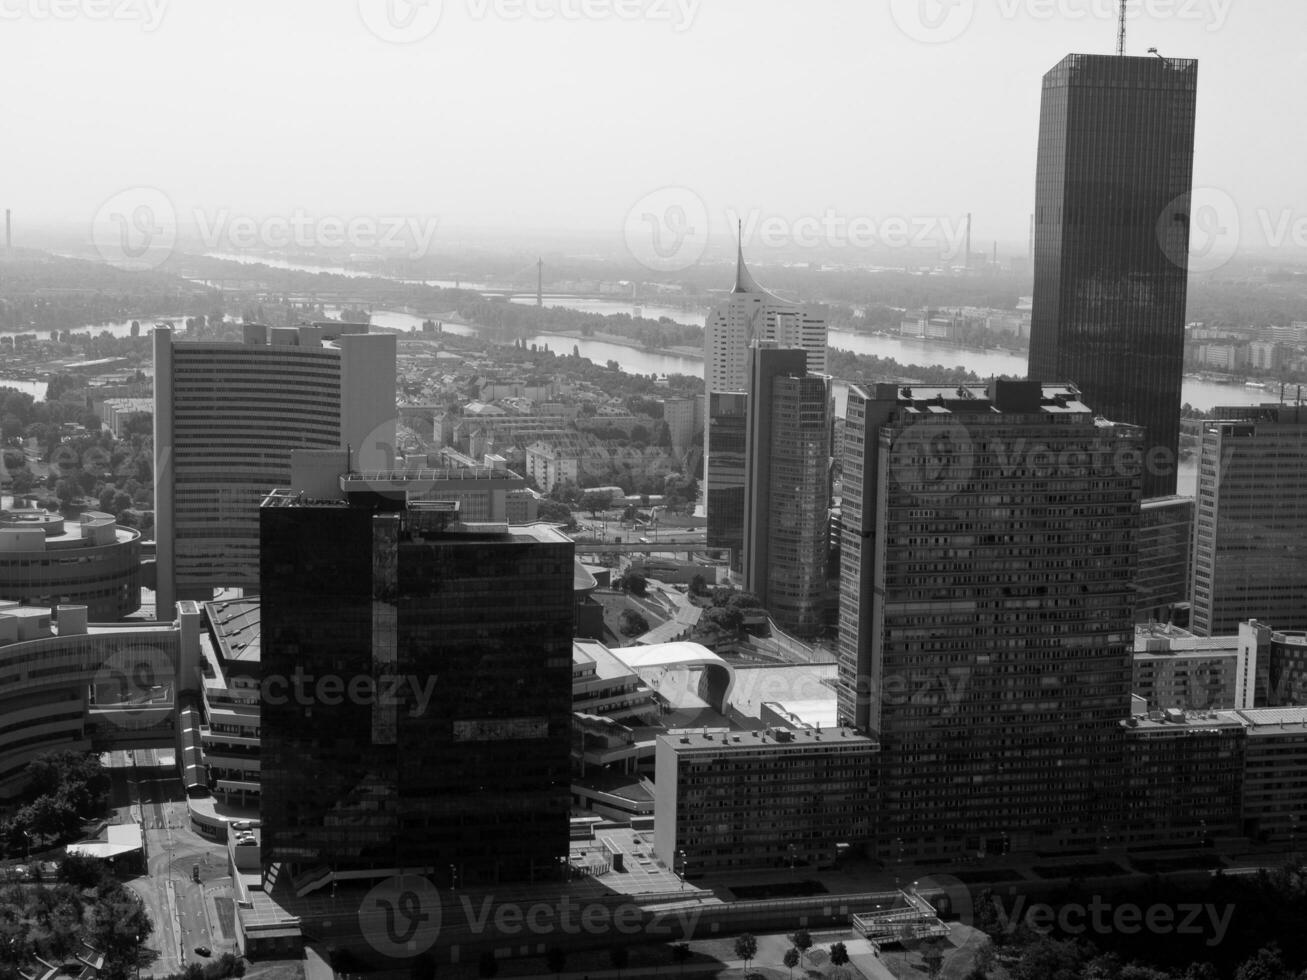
(416, 692)
(787, 501)
(1112, 219)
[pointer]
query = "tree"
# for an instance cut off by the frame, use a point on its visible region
(82, 871)
(555, 959)
(680, 954)
(932, 955)
(698, 585)
(839, 957)
(596, 502)
(791, 959)
(619, 956)
(1265, 964)
(488, 965)
(635, 583)
(803, 942)
(555, 512)
(746, 948)
(631, 623)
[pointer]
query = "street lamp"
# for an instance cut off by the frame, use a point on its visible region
(681, 857)
(453, 877)
(794, 853)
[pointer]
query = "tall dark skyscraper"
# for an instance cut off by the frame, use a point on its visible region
(787, 486)
(417, 690)
(1115, 171)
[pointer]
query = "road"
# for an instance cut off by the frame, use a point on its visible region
(181, 909)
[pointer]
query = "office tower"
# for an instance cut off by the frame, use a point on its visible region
(787, 487)
(1166, 532)
(432, 727)
(227, 417)
(986, 611)
(1250, 529)
(724, 472)
(749, 314)
(1116, 138)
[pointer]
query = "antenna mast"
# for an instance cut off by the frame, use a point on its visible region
(1120, 32)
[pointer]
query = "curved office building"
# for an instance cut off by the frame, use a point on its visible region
(46, 560)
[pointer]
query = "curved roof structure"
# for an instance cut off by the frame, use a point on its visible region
(718, 676)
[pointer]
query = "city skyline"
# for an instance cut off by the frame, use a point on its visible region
(992, 110)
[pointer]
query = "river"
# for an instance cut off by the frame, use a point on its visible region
(1200, 394)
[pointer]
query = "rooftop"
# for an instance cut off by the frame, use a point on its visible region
(686, 740)
(235, 625)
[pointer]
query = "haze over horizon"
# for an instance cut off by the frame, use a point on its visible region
(559, 117)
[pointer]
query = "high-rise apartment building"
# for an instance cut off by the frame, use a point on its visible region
(417, 675)
(787, 487)
(227, 418)
(1113, 179)
(1250, 527)
(986, 633)
(750, 314)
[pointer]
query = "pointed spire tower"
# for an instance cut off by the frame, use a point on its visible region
(749, 313)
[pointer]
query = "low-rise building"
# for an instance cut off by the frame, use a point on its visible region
(1172, 668)
(739, 800)
(72, 685)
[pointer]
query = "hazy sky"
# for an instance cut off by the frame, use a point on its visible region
(563, 114)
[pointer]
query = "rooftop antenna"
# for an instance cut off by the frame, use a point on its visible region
(1120, 31)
